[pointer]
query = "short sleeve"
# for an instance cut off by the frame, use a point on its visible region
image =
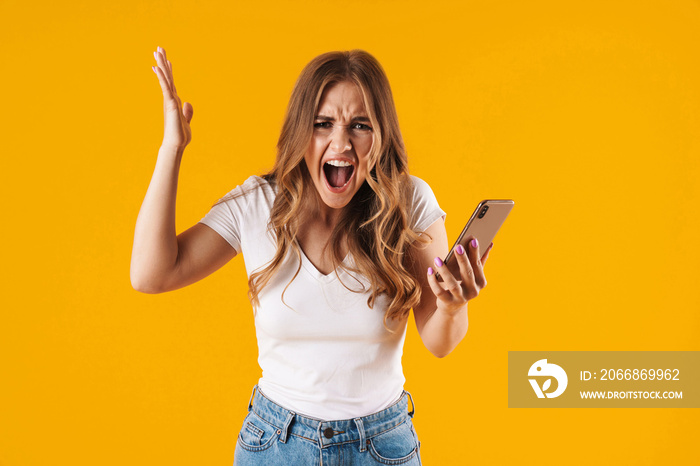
(227, 217)
(425, 210)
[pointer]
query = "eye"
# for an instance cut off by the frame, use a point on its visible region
(321, 124)
(362, 127)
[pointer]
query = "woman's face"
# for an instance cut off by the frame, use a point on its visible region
(337, 157)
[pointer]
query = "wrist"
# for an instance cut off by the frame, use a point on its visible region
(170, 150)
(452, 312)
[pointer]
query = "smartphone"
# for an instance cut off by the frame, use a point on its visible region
(484, 223)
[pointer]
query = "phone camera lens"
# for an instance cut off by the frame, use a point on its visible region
(483, 211)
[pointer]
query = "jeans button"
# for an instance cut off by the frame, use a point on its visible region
(328, 432)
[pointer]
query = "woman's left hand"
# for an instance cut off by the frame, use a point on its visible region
(453, 293)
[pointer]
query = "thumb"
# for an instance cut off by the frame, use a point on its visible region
(188, 111)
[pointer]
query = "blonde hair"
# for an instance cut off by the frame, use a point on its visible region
(376, 220)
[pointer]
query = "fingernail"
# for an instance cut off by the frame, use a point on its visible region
(460, 249)
(153, 68)
(430, 271)
(475, 243)
(155, 55)
(438, 262)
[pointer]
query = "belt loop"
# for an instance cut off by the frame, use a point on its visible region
(413, 406)
(250, 401)
(361, 429)
(285, 428)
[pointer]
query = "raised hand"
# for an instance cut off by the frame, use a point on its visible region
(177, 132)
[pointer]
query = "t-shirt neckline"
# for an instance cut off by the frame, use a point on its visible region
(314, 272)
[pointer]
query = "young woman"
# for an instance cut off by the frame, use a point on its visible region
(339, 243)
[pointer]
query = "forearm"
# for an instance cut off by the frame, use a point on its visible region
(155, 248)
(442, 332)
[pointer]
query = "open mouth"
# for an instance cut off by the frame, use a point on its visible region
(338, 173)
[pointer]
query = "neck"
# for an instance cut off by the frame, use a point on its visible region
(319, 213)
(327, 216)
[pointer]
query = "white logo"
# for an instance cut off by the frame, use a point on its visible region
(541, 368)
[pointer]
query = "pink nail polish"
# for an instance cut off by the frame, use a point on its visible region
(474, 243)
(460, 249)
(438, 262)
(430, 271)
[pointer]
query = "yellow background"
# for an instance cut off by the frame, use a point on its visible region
(585, 113)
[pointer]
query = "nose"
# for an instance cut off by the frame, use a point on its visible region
(340, 140)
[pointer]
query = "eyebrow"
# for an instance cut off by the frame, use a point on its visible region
(357, 118)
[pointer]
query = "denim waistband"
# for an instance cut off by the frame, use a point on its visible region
(327, 433)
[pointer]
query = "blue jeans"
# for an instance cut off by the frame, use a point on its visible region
(272, 435)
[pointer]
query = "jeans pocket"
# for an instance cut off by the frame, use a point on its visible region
(257, 434)
(396, 446)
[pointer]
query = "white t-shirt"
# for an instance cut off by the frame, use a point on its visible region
(325, 354)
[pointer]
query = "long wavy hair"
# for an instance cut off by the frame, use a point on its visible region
(375, 223)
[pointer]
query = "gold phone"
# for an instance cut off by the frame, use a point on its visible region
(484, 223)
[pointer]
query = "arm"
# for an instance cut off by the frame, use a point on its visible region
(155, 250)
(160, 260)
(441, 316)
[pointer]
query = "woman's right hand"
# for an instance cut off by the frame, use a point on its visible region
(177, 133)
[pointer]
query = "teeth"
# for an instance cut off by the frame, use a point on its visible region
(339, 163)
